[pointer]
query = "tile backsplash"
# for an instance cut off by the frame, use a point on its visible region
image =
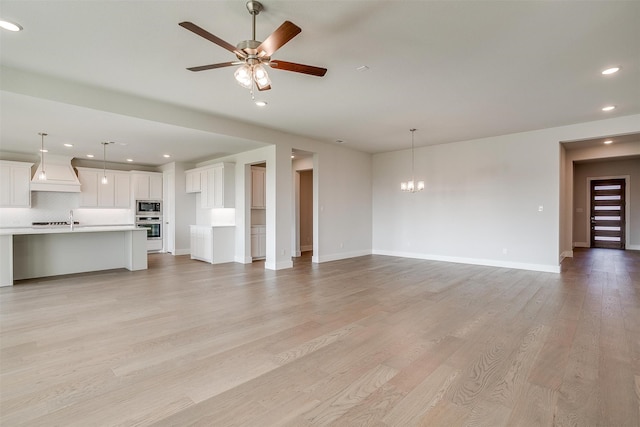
(54, 206)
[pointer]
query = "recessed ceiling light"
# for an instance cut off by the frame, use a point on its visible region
(609, 108)
(68, 145)
(261, 103)
(166, 156)
(608, 141)
(10, 26)
(362, 68)
(129, 160)
(293, 157)
(90, 156)
(611, 70)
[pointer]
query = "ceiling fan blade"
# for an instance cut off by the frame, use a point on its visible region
(278, 38)
(264, 88)
(207, 35)
(212, 66)
(298, 68)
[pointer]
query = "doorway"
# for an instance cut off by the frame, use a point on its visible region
(304, 227)
(607, 197)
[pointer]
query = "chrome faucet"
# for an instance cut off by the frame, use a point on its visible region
(71, 219)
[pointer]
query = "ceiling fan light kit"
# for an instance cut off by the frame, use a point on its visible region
(252, 54)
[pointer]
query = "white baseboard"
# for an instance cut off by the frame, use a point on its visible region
(633, 247)
(566, 254)
(339, 256)
(243, 260)
(580, 245)
(278, 265)
(474, 261)
(182, 251)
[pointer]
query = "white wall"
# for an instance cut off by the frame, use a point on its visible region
(482, 198)
(342, 181)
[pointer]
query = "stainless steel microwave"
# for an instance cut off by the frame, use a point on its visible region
(144, 207)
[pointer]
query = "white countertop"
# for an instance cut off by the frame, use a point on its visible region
(66, 229)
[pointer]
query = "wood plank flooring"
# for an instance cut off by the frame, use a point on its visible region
(370, 341)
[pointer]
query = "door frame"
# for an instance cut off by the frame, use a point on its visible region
(627, 194)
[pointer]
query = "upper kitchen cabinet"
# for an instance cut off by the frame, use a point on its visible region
(15, 184)
(193, 181)
(258, 187)
(147, 185)
(218, 186)
(116, 193)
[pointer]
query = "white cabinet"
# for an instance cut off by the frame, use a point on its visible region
(258, 241)
(218, 186)
(15, 184)
(212, 244)
(116, 193)
(147, 185)
(193, 184)
(258, 187)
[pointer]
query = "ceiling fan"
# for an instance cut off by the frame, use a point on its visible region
(253, 54)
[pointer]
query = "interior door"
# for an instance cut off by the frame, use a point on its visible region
(607, 213)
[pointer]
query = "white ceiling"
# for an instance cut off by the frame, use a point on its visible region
(455, 70)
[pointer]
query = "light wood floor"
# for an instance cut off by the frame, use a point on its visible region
(374, 340)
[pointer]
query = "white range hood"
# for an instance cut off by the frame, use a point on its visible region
(60, 175)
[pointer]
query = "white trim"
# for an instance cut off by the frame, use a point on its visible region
(633, 247)
(566, 254)
(473, 261)
(279, 265)
(182, 252)
(627, 203)
(243, 260)
(339, 256)
(580, 245)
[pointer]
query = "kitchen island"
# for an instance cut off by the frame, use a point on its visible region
(32, 252)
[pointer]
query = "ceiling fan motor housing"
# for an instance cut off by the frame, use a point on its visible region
(248, 46)
(254, 7)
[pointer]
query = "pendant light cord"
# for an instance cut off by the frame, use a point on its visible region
(42, 134)
(412, 157)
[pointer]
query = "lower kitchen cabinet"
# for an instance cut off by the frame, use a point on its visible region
(258, 241)
(214, 244)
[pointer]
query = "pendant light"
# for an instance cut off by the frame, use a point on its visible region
(411, 186)
(104, 161)
(43, 174)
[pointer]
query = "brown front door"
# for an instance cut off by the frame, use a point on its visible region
(607, 213)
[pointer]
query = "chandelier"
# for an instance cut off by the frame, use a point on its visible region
(412, 186)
